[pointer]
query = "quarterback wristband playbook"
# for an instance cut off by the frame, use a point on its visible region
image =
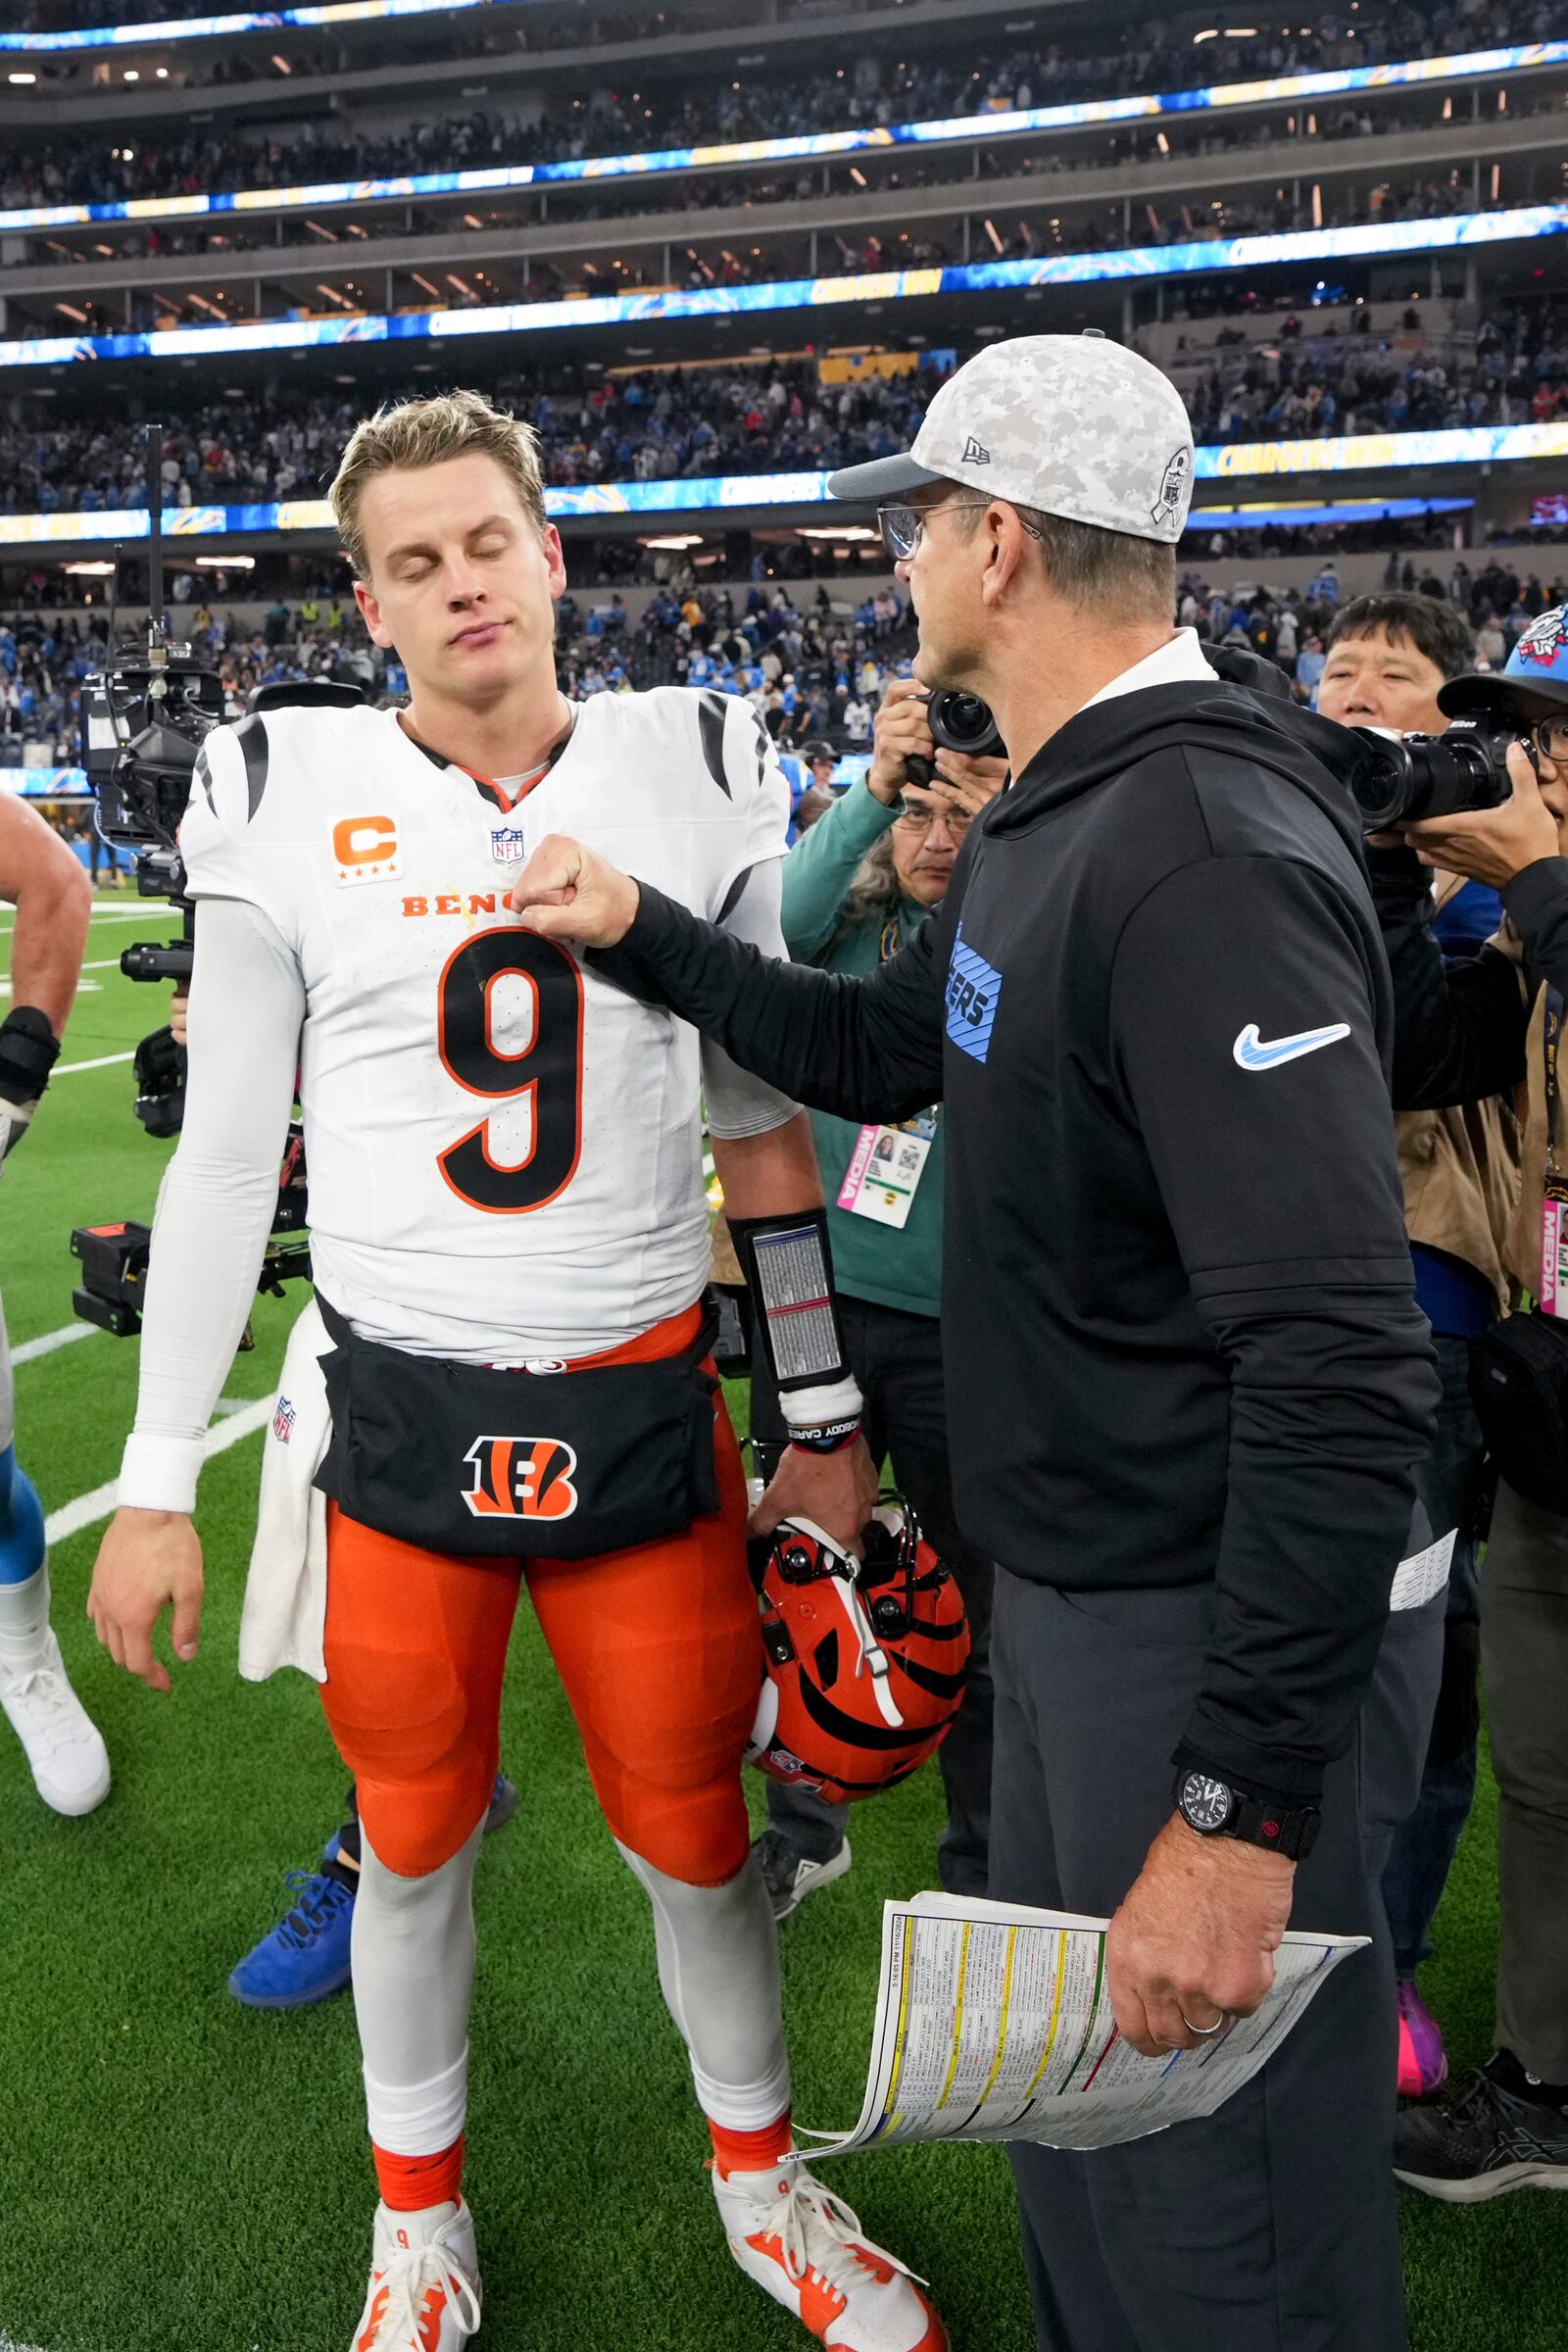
(1215, 1809)
(788, 1265)
(29, 1052)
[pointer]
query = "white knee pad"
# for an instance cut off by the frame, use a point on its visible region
(719, 1972)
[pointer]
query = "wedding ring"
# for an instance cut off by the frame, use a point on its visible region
(1202, 2032)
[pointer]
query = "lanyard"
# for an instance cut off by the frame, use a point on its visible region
(1553, 1039)
(890, 943)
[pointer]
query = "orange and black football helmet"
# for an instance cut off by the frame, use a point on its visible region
(866, 1658)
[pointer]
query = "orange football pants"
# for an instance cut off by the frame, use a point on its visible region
(658, 1646)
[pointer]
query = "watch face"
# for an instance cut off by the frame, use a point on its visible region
(1206, 1804)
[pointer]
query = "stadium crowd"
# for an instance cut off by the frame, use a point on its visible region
(1150, 56)
(876, 90)
(479, 142)
(779, 417)
(816, 666)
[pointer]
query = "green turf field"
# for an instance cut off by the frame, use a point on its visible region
(177, 2175)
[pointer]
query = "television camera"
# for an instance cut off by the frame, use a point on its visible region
(146, 715)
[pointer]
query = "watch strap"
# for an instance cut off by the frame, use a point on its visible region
(1280, 1830)
(1216, 1809)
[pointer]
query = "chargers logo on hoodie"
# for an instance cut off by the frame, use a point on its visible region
(973, 988)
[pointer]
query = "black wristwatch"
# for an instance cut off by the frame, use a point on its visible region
(1215, 1809)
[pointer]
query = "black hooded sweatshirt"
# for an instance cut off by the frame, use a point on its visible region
(1179, 1328)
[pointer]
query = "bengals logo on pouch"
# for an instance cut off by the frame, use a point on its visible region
(521, 1478)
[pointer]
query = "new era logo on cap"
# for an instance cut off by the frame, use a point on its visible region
(974, 455)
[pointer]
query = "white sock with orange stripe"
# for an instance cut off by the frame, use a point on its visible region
(413, 1977)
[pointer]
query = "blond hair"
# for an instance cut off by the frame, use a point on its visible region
(426, 432)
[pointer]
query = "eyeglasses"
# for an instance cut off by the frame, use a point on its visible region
(911, 822)
(901, 526)
(1549, 736)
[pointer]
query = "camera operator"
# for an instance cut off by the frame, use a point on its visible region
(1187, 1381)
(1389, 658)
(1466, 1030)
(857, 887)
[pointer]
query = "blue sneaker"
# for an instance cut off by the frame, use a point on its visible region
(305, 1957)
(503, 1803)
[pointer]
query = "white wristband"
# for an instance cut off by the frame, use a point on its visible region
(159, 1474)
(815, 1408)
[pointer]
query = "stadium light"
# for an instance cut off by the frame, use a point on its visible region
(224, 564)
(22, 79)
(93, 569)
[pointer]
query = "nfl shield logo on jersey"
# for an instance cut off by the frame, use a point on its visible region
(509, 844)
(284, 1421)
(521, 1478)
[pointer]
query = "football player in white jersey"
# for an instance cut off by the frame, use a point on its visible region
(503, 1379)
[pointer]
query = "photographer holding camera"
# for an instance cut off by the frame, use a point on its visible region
(1187, 1381)
(1389, 659)
(858, 887)
(1466, 1030)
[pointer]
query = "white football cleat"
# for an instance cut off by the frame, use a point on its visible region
(425, 2284)
(66, 1752)
(807, 2249)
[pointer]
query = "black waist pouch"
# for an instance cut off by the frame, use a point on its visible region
(1519, 1388)
(557, 1466)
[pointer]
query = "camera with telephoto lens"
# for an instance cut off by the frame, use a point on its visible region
(146, 715)
(960, 722)
(1404, 779)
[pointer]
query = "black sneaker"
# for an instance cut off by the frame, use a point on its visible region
(1477, 2140)
(790, 1875)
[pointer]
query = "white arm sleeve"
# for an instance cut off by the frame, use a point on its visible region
(214, 1210)
(737, 1102)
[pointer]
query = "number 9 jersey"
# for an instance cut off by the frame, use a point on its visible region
(503, 1149)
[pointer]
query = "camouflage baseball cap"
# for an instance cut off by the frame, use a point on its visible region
(1070, 425)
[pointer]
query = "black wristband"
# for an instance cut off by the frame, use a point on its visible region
(29, 1052)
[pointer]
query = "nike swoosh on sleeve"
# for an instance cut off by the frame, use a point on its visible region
(1251, 1052)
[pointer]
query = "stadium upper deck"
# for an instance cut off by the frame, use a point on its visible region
(1471, 129)
(1095, 167)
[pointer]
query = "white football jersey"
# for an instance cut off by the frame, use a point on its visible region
(504, 1150)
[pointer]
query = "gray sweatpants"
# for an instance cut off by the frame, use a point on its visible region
(1270, 2226)
(1524, 1671)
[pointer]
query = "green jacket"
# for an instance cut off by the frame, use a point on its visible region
(889, 1265)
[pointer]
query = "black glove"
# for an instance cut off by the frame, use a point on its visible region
(29, 1052)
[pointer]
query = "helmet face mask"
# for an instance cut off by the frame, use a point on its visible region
(866, 1659)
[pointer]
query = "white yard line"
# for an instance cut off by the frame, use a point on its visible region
(88, 1509)
(28, 1354)
(69, 1070)
(150, 910)
(85, 989)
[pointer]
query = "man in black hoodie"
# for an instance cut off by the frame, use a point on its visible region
(1187, 1381)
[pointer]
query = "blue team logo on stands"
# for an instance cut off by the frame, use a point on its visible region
(973, 988)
